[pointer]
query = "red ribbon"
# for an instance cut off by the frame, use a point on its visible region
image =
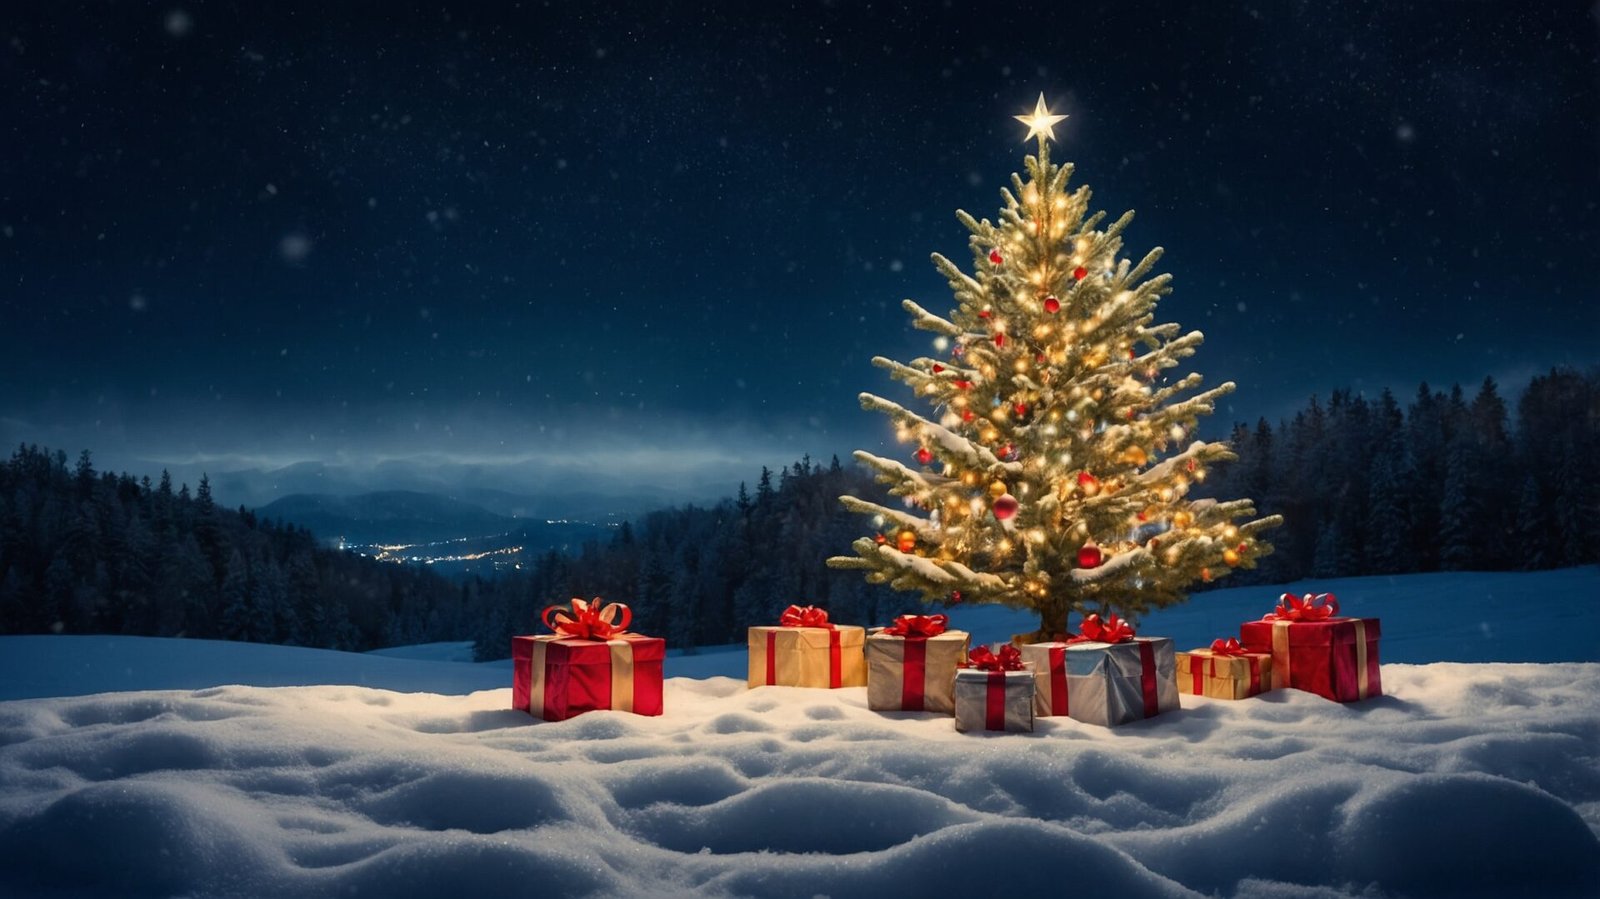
(1311, 607)
(804, 616)
(1228, 647)
(918, 626)
(913, 688)
(994, 701)
(1058, 680)
(1112, 630)
(1147, 679)
(1008, 659)
(588, 620)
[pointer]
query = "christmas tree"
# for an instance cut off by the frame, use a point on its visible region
(1055, 470)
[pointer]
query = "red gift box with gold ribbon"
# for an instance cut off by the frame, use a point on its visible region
(807, 650)
(590, 663)
(1315, 650)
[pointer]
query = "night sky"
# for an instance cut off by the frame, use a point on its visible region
(553, 242)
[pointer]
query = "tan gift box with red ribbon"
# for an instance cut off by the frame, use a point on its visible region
(1224, 675)
(808, 656)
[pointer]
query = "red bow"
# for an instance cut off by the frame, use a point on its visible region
(1112, 630)
(1008, 659)
(918, 626)
(1228, 647)
(804, 616)
(588, 620)
(1311, 607)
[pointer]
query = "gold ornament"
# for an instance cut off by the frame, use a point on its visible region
(1182, 518)
(907, 541)
(997, 489)
(1230, 556)
(1133, 455)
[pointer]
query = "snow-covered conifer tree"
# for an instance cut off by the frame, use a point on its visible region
(1055, 468)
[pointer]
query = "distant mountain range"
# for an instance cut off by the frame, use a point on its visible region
(389, 516)
(437, 529)
(494, 489)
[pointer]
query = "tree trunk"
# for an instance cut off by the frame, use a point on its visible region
(1053, 611)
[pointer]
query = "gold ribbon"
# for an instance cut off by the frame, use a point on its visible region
(621, 674)
(540, 644)
(1361, 659)
(1280, 654)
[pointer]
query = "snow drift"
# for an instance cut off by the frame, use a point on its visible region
(1473, 778)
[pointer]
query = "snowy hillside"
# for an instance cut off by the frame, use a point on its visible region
(1467, 779)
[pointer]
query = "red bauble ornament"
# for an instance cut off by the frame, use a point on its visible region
(937, 368)
(1090, 556)
(966, 415)
(1000, 339)
(1005, 506)
(1052, 305)
(986, 313)
(1020, 408)
(924, 455)
(994, 257)
(1008, 453)
(907, 541)
(962, 384)
(955, 596)
(1080, 273)
(1085, 479)
(881, 540)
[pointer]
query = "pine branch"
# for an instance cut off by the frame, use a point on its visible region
(924, 320)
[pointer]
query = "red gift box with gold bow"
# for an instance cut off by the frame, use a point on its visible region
(807, 650)
(590, 663)
(1315, 650)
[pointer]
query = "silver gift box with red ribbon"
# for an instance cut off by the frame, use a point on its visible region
(1105, 683)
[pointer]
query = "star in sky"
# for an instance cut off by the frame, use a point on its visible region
(1040, 121)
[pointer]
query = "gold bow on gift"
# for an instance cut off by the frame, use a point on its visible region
(588, 620)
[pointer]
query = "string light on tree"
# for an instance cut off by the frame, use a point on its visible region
(1057, 492)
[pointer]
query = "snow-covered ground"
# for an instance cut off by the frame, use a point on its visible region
(401, 777)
